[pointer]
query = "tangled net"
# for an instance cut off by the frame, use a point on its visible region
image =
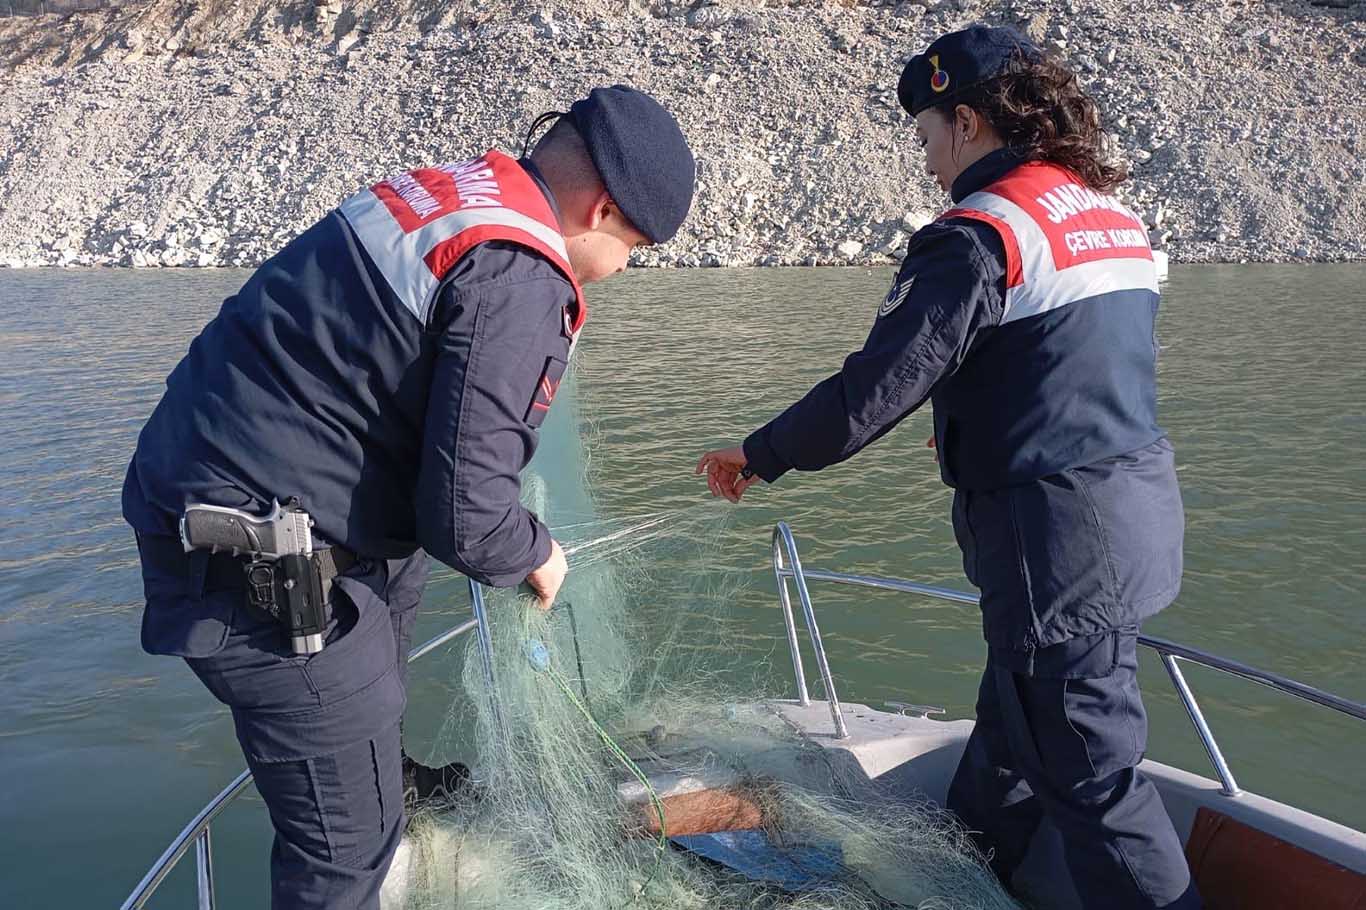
(617, 735)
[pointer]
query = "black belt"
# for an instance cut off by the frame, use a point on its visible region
(225, 572)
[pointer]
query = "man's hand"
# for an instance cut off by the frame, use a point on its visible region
(545, 581)
(933, 444)
(724, 477)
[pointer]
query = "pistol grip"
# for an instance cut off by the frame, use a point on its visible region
(217, 531)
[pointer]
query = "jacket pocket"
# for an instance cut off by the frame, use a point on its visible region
(180, 618)
(962, 532)
(1138, 502)
(1065, 565)
(996, 567)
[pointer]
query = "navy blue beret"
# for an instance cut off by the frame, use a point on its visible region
(641, 155)
(958, 61)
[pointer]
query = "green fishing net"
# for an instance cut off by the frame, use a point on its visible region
(627, 692)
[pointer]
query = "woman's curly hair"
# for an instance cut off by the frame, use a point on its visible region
(1038, 108)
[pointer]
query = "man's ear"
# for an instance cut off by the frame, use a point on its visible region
(602, 207)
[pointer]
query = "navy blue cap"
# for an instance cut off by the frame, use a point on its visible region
(959, 61)
(641, 155)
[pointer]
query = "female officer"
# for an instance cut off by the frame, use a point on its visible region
(1026, 314)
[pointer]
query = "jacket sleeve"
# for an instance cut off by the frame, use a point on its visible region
(949, 289)
(496, 340)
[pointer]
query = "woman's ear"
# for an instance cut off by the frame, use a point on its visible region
(966, 122)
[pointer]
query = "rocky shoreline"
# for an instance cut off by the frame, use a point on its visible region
(139, 137)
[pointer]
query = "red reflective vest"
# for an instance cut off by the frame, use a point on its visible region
(1064, 241)
(416, 226)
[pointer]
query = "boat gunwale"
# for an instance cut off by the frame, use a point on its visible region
(786, 566)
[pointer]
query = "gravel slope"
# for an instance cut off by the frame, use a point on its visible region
(145, 136)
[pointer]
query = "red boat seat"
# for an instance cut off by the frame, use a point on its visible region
(1238, 867)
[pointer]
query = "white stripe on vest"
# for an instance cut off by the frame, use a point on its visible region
(1046, 287)
(488, 191)
(401, 257)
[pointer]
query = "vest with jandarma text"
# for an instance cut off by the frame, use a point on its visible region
(1068, 375)
(416, 226)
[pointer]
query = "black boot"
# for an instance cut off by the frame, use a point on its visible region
(430, 788)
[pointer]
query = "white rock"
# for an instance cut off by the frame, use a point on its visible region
(708, 17)
(849, 249)
(896, 244)
(345, 43)
(914, 221)
(545, 25)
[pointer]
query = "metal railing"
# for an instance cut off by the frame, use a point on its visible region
(198, 832)
(787, 565)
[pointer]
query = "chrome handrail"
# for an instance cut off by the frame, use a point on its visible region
(786, 565)
(196, 833)
(784, 543)
(1168, 651)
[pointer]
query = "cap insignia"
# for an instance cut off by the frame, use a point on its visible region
(939, 80)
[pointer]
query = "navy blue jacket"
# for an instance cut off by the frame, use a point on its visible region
(1078, 546)
(314, 381)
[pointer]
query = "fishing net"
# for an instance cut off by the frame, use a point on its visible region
(622, 757)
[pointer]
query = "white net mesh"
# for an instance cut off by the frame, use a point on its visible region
(612, 712)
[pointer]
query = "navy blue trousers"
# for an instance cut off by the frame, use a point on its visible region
(1063, 740)
(320, 733)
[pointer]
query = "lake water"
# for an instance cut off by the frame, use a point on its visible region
(105, 752)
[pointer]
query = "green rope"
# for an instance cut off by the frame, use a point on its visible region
(544, 666)
(630, 765)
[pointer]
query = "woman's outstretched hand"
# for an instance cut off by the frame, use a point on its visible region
(725, 472)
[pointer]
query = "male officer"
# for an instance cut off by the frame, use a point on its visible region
(389, 368)
(1026, 314)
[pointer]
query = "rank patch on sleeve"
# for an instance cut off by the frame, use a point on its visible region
(546, 387)
(896, 296)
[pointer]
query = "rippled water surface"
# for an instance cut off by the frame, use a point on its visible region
(105, 752)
